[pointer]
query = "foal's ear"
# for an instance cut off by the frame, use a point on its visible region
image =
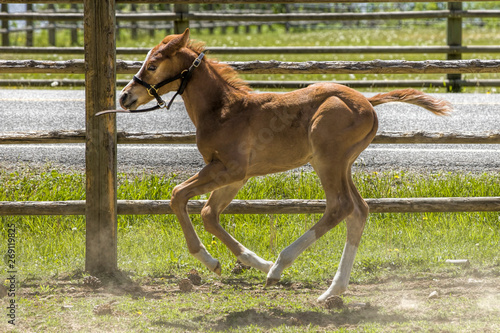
(177, 42)
(185, 37)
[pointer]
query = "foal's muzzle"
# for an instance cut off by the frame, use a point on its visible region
(125, 100)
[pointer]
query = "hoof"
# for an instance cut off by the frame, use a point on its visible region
(218, 270)
(322, 298)
(271, 282)
(331, 292)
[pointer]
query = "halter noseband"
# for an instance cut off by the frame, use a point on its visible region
(152, 89)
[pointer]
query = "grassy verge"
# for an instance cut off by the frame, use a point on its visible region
(400, 261)
(52, 244)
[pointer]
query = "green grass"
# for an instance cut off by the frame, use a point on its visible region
(401, 257)
(50, 245)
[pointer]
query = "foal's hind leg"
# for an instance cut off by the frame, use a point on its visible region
(218, 201)
(355, 224)
(339, 205)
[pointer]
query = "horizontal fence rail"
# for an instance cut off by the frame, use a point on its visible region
(339, 16)
(78, 136)
(219, 1)
(287, 206)
(368, 83)
(262, 17)
(368, 67)
(280, 67)
(267, 84)
(277, 50)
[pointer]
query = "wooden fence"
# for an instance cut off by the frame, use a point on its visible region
(101, 137)
(182, 17)
(209, 17)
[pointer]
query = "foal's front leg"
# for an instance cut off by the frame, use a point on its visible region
(212, 177)
(180, 196)
(218, 201)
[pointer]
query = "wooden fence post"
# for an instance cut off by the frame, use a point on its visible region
(133, 30)
(5, 26)
(454, 38)
(100, 157)
(52, 27)
(152, 9)
(29, 26)
(211, 24)
(74, 31)
(183, 23)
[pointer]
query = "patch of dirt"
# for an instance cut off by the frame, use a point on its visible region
(194, 277)
(459, 304)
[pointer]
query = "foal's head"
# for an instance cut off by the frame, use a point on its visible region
(165, 60)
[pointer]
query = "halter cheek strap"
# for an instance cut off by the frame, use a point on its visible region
(152, 89)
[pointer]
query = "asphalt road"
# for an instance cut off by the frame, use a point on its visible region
(44, 110)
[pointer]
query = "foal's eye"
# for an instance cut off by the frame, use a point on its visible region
(152, 68)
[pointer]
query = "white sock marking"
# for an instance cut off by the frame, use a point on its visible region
(251, 259)
(341, 279)
(206, 259)
(289, 254)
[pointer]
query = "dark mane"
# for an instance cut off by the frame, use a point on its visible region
(226, 72)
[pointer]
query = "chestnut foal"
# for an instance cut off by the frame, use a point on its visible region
(242, 134)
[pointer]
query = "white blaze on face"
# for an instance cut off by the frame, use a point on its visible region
(127, 97)
(143, 67)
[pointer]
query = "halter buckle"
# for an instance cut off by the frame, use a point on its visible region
(197, 61)
(154, 89)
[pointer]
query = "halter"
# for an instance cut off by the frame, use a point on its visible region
(152, 89)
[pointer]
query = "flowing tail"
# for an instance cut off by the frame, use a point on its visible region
(437, 106)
